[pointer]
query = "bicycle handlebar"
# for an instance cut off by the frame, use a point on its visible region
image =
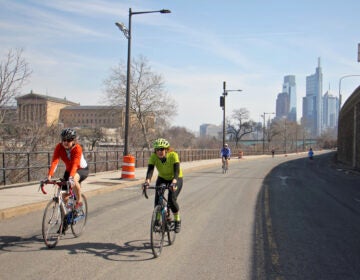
(58, 182)
(147, 186)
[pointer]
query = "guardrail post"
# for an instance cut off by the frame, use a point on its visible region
(95, 162)
(107, 161)
(4, 170)
(28, 165)
(117, 160)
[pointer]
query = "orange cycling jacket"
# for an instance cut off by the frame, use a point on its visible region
(73, 159)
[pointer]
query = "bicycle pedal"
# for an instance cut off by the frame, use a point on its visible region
(157, 229)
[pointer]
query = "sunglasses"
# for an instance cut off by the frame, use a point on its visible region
(160, 149)
(68, 140)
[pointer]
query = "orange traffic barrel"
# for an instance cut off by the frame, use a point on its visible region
(128, 167)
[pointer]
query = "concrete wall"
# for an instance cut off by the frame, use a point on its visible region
(349, 131)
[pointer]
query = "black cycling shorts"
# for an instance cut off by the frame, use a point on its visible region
(83, 173)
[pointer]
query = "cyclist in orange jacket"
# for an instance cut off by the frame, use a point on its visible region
(70, 152)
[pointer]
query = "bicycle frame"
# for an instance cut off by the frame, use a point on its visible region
(161, 194)
(58, 191)
(162, 201)
(225, 164)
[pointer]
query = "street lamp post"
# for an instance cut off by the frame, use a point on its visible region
(264, 129)
(127, 33)
(222, 104)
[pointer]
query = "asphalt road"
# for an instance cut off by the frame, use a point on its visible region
(268, 218)
(310, 221)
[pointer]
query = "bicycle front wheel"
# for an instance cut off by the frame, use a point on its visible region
(52, 224)
(157, 231)
(79, 218)
(170, 228)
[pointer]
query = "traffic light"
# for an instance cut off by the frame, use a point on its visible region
(222, 101)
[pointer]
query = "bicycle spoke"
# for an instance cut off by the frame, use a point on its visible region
(157, 231)
(79, 218)
(171, 229)
(52, 224)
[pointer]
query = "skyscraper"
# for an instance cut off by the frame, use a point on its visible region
(282, 105)
(289, 86)
(312, 103)
(330, 111)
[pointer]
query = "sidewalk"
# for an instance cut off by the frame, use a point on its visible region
(21, 200)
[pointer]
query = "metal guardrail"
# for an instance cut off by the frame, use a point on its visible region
(22, 167)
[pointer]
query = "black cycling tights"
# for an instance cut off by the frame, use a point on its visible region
(172, 196)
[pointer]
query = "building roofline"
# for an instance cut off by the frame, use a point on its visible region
(92, 107)
(46, 97)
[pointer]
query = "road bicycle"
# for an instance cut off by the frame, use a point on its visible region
(225, 165)
(58, 215)
(162, 221)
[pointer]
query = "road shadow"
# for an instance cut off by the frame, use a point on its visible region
(20, 244)
(135, 250)
(307, 222)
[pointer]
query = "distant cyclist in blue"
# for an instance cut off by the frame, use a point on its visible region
(311, 153)
(225, 154)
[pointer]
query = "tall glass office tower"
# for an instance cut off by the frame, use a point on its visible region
(289, 86)
(330, 111)
(312, 103)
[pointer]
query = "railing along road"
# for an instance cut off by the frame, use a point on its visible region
(22, 167)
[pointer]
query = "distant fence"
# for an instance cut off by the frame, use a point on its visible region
(349, 131)
(22, 167)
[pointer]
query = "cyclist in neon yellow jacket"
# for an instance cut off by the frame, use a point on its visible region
(167, 164)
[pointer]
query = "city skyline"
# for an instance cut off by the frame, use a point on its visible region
(72, 45)
(320, 109)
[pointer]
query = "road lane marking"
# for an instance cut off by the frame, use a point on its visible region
(283, 180)
(272, 243)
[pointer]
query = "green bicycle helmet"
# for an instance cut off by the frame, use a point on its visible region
(161, 143)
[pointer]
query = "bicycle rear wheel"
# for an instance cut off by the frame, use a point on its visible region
(79, 218)
(52, 223)
(170, 229)
(157, 231)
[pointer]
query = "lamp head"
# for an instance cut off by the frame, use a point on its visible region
(165, 11)
(123, 28)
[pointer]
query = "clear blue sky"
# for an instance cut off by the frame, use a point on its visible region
(72, 45)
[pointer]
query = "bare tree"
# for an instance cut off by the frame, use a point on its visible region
(24, 144)
(180, 137)
(328, 139)
(285, 134)
(240, 125)
(14, 73)
(92, 136)
(149, 102)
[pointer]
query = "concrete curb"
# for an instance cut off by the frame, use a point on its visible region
(21, 210)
